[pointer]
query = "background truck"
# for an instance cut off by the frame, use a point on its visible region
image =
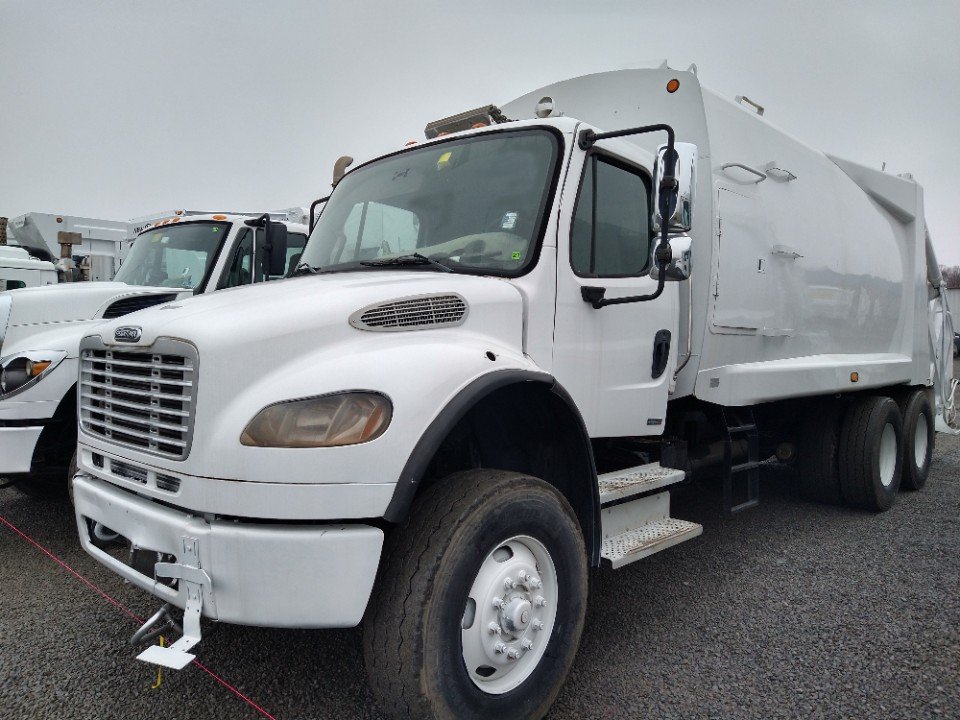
(513, 342)
(41, 328)
(19, 269)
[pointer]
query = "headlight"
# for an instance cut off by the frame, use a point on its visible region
(20, 371)
(326, 421)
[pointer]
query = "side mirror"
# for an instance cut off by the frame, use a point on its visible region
(680, 211)
(275, 255)
(679, 266)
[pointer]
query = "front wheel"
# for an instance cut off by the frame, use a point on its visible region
(480, 604)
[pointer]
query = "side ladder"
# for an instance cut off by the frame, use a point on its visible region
(741, 427)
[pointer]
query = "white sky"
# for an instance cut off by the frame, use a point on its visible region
(117, 109)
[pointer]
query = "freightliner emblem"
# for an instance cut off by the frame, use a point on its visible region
(127, 333)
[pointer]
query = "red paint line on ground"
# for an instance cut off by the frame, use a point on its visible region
(122, 608)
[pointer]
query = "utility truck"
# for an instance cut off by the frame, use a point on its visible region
(508, 345)
(41, 327)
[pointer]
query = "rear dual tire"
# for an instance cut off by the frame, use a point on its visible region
(919, 437)
(870, 453)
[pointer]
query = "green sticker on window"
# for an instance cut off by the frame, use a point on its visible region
(516, 255)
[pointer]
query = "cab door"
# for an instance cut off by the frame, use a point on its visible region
(605, 358)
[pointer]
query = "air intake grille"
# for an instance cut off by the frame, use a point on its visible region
(142, 400)
(138, 302)
(416, 313)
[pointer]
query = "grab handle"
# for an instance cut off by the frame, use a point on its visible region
(753, 171)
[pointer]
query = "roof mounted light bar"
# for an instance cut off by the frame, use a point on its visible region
(480, 117)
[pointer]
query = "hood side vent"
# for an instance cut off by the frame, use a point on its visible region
(127, 305)
(421, 312)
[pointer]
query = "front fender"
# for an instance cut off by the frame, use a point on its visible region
(420, 374)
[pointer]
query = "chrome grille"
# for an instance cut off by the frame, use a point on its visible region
(425, 311)
(140, 399)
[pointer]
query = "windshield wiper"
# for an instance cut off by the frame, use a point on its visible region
(412, 259)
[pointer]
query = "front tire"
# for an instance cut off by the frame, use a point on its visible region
(435, 644)
(870, 453)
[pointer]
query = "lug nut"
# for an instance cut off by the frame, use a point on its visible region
(540, 601)
(526, 644)
(513, 653)
(522, 576)
(500, 648)
(508, 584)
(494, 628)
(538, 625)
(498, 602)
(535, 583)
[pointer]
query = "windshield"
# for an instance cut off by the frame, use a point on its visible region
(177, 256)
(476, 205)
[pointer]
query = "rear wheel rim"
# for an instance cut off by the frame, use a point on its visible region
(920, 440)
(888, 454)
(509, 615)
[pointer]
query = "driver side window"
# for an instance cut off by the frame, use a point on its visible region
(610, 235)
(239, 271)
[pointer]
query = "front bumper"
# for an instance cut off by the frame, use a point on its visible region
(16, 448)
(273, 575)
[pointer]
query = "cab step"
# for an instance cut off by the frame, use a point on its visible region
(637, 529)
(636, 481)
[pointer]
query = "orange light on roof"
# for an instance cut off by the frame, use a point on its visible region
(59, 219)
(478, 125)
(176, 219)
(219, 217)
(854, 377)
(409, 143)
(673, 86)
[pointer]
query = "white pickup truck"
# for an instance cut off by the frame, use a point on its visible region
(517, 339)
(19, 269)
(41, 328)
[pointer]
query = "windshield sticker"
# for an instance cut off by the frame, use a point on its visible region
(444, 160)
(509, 221)
(516, 255)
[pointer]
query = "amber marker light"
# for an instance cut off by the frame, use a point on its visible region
(219, 217)
(35, 367)
(673, 86)
(854, 377)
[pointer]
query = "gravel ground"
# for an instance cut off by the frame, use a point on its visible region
(789, 610)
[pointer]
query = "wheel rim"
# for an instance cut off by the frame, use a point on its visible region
(920, 440)
(509, 614)
(888, 454)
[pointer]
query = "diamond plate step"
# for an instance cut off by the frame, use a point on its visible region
(635, 481)
(642, 542)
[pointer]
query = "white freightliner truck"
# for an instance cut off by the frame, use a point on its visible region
(496, 373)
(41, 327)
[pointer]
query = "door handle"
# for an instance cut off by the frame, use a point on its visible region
(661, 352)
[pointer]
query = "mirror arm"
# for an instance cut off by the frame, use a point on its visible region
(668, 190)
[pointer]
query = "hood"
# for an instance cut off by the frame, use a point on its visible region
(47, 317)
(276, 317)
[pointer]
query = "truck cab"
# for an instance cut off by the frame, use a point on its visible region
(19, 269)
(41, 327)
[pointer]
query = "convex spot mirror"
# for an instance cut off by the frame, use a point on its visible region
(679, 266)
(680, 208)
